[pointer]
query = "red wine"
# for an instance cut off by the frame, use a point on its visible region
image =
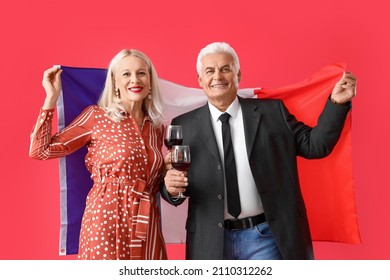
(170, 142)
(181, 166)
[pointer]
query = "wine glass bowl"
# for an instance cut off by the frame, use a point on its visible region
(173, 136)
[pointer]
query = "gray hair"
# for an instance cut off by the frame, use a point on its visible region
(107, 101)
(217, 47)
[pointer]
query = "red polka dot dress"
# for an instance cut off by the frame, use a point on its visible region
(121, 219)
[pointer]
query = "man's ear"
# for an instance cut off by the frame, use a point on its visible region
(239, 76)
(200, 81)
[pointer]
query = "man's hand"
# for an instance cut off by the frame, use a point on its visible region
(174, 181)
(345, 89)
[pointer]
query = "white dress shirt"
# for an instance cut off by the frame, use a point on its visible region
(249, 197)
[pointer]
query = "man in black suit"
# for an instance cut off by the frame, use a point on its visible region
(245, 200)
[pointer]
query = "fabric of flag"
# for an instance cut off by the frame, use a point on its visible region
(327, 184)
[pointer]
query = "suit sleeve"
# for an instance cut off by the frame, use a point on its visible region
(318, 141)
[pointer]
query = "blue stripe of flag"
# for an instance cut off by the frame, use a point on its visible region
(81, 87)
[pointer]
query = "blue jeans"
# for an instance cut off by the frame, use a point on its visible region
(255, 243)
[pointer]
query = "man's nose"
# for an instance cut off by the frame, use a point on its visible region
(217, 75)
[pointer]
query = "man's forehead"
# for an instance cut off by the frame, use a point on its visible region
(217, 60)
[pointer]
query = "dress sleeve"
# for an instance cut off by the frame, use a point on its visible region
(44, 145)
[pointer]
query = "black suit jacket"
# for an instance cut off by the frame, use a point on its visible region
(274, 138)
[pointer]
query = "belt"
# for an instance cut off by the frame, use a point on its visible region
(114, 180)
(245, 222)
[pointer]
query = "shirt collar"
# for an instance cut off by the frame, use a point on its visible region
(232, 110)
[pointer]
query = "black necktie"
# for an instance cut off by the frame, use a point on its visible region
(233, 196)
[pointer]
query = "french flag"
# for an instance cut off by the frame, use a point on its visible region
(327, 184)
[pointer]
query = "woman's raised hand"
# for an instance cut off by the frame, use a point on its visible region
(51, 82)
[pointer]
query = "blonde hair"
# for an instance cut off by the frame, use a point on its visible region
(153, 107)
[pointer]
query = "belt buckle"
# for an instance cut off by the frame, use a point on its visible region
(247, 223)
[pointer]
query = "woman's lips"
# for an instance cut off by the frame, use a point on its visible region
(136, 89)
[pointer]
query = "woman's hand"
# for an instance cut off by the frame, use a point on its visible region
(51, 82)
(168, 160)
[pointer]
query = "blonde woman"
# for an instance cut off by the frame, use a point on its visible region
(124, 136)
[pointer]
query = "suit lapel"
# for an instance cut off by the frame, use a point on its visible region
(202, 125)
(251, 116)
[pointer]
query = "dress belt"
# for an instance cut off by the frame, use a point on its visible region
(141, 207)
(245, 222)
(114, 180)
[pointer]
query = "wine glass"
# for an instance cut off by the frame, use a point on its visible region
(173, 136)
(181, 159)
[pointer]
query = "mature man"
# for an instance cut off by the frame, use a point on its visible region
(245, 200)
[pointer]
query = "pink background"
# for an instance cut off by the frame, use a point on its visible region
(279, 42)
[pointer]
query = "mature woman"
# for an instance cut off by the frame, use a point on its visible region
(123, 134)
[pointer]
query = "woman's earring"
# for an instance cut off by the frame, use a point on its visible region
(150, 94)
(117, 93)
